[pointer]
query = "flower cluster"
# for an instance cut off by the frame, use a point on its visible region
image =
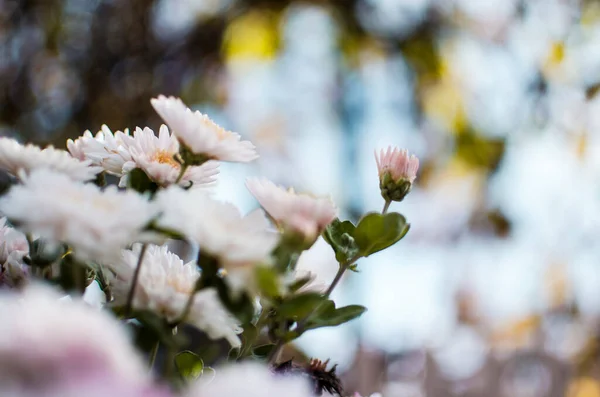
(258, 281)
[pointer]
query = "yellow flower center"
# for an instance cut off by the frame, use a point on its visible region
(164, 157)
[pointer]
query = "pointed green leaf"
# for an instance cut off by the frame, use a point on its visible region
(268, 282)
(263, 351)
(189, 365)
(299, 283)
(376, 232)
(330, 316)
(299, 306)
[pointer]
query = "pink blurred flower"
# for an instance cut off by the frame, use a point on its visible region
(302, 213)
(398, 163)
(397, 172)
(250, 379)
(98, 386)
(13, 247)
(46, 342)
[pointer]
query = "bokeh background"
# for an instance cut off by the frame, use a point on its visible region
(496, 289)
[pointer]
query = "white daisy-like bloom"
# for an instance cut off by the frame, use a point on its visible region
(101, 385)
(302, 213)
(155, 156)
(200, 135)
(106, 150)
(47, 342)
(164, 286)
(95, 223)
(250, 379)
(238, 242)
(13, 247)
(19, 160)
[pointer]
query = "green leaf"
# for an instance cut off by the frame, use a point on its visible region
(329, 316)
(189, 365)
(299, 306)
(340, 236)
(248, 337)
(299, 283)
(156, 328)
(268, 282)
(263, 351)
(139, 181)
(376, 232)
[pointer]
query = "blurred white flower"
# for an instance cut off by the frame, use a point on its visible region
(13, 247)
(106, 149)
(164, 286)
(47, 342)
(96, 224)
(101, 385)
(200, 135)
(319, 264)
(237, 242)
(250, 379)
(154, 155)
(20, 160)
(302, 213)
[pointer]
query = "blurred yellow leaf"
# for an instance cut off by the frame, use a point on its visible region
(557, 285)
(590, 14)
(584, 387)
(253, 35)
(517, 333)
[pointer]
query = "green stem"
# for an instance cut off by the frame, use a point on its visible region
(386, 206)
(136, 276)
(302, 323)
(274, 355)
(294, 261)
(260, 322)
(184, 168)
(153, 353)
(169, 364)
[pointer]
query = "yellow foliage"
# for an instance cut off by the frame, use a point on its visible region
(584, 387)
(253, 35)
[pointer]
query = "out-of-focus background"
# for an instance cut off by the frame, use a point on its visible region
(496, 289)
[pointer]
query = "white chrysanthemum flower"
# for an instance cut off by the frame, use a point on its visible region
(100, 385)
(96, 224)
(47, 342)
(164, 286)
(20, 160)
(155, 156)
(250, 379)
(13, 247)
(106, 149)
(200, 135)
(302, 213)
(238, 242)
